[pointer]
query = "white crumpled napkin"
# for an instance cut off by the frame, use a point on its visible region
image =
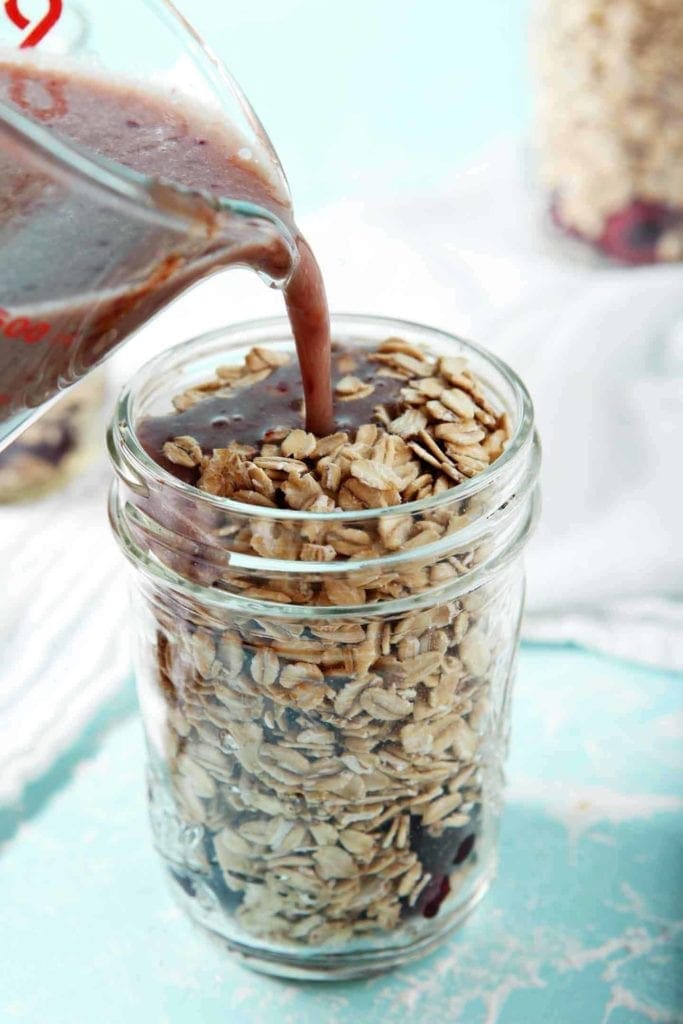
(64, 647)
(600, 348)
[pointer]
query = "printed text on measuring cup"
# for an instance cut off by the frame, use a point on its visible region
(37, 29)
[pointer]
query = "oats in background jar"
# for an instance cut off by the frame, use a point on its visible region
(610, 123)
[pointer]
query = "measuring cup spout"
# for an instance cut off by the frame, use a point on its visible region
(120, 189)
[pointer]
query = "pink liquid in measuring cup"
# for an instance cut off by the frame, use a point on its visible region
(79, 277)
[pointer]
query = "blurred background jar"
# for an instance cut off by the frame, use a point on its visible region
(610, 123)
(57, 446)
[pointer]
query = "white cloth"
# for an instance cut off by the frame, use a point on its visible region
(600, 348)
(64, 628)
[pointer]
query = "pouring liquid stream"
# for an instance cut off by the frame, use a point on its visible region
(77, 278)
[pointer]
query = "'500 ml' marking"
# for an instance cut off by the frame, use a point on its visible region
(22, 328)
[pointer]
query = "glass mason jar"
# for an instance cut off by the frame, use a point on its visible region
(56, 447)
(326, 739)
(610, 123)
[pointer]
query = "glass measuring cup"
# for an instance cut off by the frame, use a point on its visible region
(90, 247)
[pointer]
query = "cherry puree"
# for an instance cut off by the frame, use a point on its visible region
(246, 415)
(80, 275)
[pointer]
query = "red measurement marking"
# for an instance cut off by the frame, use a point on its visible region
(22, 328)
(55, 91)
(41, 28)
(16, 328)
(36, 332)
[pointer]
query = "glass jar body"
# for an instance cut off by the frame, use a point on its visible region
(326, 742)
(325, 796)
(609, 126)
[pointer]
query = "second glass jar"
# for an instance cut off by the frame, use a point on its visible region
(610, 127)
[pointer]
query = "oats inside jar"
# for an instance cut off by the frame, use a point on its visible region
(331, 739)
(407, 426)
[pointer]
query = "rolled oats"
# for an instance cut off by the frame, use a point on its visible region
(183, 451)
(335, 761)
(384, 705)
(610, 129)
(299, 444)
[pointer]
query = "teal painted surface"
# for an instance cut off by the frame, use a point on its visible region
(584, 924)
(37, 795)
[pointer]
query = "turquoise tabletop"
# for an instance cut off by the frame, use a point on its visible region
(583, 926)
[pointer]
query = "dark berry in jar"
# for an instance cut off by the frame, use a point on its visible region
(465, 849)
(433, 895)
(438, 854)
(631, 235)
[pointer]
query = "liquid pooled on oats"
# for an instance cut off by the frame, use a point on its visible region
(245, 416)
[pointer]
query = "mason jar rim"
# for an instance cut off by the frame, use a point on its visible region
(123, 435)
(208, 596)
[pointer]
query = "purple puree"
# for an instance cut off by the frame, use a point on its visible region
(86, 251)
(246, 415)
